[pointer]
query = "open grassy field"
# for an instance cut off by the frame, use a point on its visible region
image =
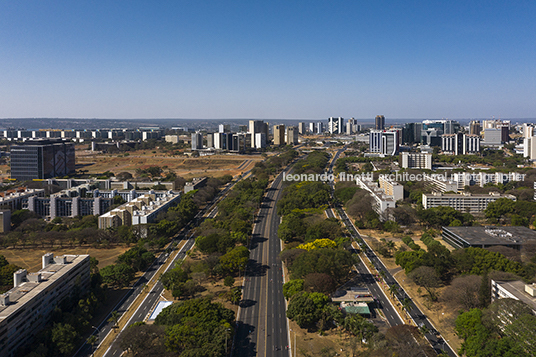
(30, 258)
(187, 167)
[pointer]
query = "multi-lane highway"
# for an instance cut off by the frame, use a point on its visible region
(437, 342)
(262, 328)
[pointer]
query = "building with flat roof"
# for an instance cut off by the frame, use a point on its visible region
(142, 210)
(463, 202)
(488, 236)
(416, 161)
(517, 290)
(197, 182)
(42, 159)
(382, 201)
(26, 308)
(15, 200)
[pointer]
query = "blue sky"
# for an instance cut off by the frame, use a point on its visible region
(267, 59)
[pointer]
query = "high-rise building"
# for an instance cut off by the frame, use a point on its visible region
(319, 127)
(416, 161)
(384, 142)
(379, 122)
(528, 130)
(460, 144)
(301, 128)
(335, 125)
(42, 159)
(279, 134)
(224, 128)
(351, 126)
(311, 128)
(257, 126)
(197, 141)
(474, 127)
(492, 137)
(260, 140)
(291, 135)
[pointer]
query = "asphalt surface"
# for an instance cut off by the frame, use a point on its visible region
(149, 302)
(438, 343)
(262, 328)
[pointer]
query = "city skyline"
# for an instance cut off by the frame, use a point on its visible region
(299, 60)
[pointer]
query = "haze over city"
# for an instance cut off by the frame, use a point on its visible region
(243, 59)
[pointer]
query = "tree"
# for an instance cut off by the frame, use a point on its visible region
(463, 292)
(292, 287)
(144, 340)
(228, 281)
(114, 317)
(427, 278)
(336, 263)
(306, 308)
(235, 295)
(406, 305)
(118, 275)
(64, 337)
(359, 326)
(393, 290)
(235, 259)
(319, 282)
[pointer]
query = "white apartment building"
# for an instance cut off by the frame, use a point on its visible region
(382, 201)
(26, 308)
(416, 161)
(142, 210)
(464, 202)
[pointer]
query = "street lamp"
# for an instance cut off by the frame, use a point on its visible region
(98, 336)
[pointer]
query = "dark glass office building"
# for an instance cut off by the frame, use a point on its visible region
(42, 159)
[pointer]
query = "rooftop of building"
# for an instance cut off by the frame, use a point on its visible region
(517, 288)
(492, 235)
(469, 194)
(6, 196)
(26, 291)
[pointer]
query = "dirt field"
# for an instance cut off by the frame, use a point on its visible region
(30, 259)
(214, 165)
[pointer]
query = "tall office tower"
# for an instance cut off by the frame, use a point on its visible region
(257, 126)
(292, 135)
(384, 142)
(379, 122)
(351, 126)
(301, 128)
(279, 134)
(529, 148)
(197, 141)
(319, 127)
(335, 125)
(242, 128)
(311, 128)
(219, 141)
(390, 143)
(505, 132)
(408, 134)
(528, 130)
(451, 127)
(239, 142)
(229, 141)
(210, 140)
(42, 159)
(471, 144)
(452, 143)
(492, 137)
(417, 134)
(224, 128)
(474, 127)
(375, 141)
(260, 140)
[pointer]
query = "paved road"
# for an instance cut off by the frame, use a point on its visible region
(262, 325)
(437, 342)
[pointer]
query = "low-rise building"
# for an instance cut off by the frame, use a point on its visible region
(489, 236)
(382, 201)
(14, 200)
(517, 290)
(464, 202)
(27, 307)
(142, 210)
(195, 184)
